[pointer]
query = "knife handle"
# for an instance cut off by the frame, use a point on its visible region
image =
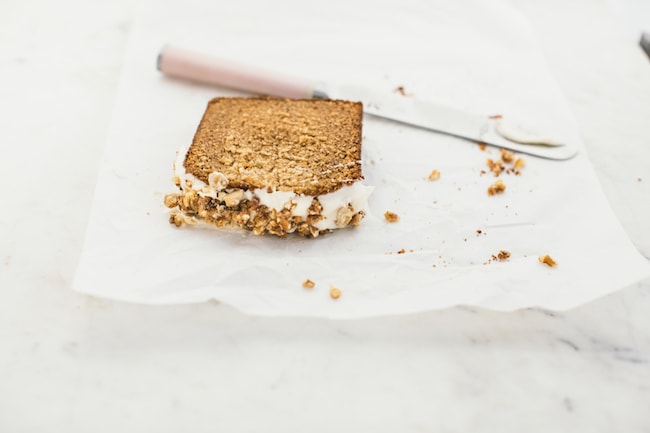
(193, 65)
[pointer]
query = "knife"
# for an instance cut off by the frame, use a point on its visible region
(179, 62)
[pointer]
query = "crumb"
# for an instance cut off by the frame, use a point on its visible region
(402, 251)
(482, 172)
(507, 156)
(547, 260)
(638, 179)
(148, 212)
(495, 167)
(334, 292)
(478, 231)
(496, 116)
(482, 146)
(519, 164)
(497, 187)
(434, 175)
(391, 217)
(308, 284)
(503, 255)
(401, 91)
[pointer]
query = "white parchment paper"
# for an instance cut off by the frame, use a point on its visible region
(475, 55)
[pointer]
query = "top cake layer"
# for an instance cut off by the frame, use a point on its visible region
(308, 146)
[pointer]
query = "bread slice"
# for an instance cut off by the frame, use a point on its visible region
(273, 166)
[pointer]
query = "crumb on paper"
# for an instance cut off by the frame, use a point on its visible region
(519, 164)
(391, 217)
(507, 156)
(335, 293)
(482, 146)
(501, 256)
(402, 91)
(507, 163)
(497, 187)
(434, 175)
(308, 284)
(495, 167)
(496, 116)
(547, 260)
(402, 251)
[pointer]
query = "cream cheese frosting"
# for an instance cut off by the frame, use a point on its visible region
(348, 199)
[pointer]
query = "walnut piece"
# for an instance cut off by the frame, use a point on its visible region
(391, 217)
(232, 199)
(171, 200)
(434, 175)
(308, 284)
(497, 187)
(547, 260)
(519, 164)
(507, 156)
(334, 292)
(344, 215)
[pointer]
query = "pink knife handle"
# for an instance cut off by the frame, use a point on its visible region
(183, 63)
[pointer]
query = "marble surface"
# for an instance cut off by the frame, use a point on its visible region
(74, 363)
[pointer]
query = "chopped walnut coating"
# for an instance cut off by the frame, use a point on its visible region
(234, 210)
(171, 200)
(344, 215)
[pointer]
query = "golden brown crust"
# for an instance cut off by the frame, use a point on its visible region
(309, 146)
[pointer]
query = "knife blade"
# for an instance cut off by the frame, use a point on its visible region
(495, 131)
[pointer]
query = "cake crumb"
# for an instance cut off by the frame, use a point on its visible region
(335, 293)
(402, 91)
(402, 251)
(308, 284)
(496, 116)
(482, 146)
(547, 260)
(497, 187)
(434, 175)
(391, 217)
(503, 255)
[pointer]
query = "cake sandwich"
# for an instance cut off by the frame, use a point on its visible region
(273, 166)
